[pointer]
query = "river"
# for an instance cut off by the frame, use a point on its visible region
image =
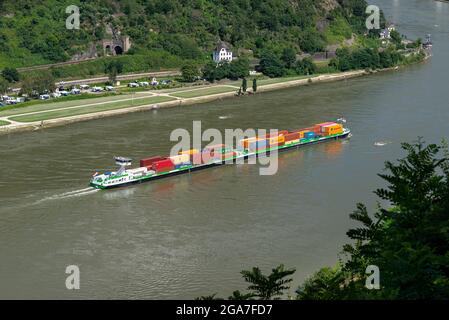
(191, 235)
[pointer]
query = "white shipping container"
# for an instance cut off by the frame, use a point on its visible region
(180, 159)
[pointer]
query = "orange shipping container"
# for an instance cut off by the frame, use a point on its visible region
(247, 142)
(292, 136)
(276, 140)
(332, 129)
(279, 133)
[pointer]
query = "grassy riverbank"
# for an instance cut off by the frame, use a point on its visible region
(52, 114)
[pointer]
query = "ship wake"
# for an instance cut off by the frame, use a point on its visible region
(69, 194)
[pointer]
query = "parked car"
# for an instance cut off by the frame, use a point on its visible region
(44, 97)
(109, 88)
(75, 91)
(84, 87)
(133, 85)
(97, 89)
(64, 93)
(4, 98)
(56, 94)
(144, 83)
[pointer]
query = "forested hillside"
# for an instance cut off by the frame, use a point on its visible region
(33, 31)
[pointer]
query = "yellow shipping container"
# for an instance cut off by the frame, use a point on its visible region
(182, 158)
(276, 140)
(247, 142)
(189, 152)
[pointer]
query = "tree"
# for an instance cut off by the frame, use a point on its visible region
(288, 57)
(244, 85)
(4, 85)
(305, 66)
(271, 65)
(396, 38)
(10, 74)
(254, 85)
(271, 286)
(408, 240)
(113, 69)
(238, 69)
(38, 83)
(189, 72)
(210, 71)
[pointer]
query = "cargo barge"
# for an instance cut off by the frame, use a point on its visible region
(212, 156)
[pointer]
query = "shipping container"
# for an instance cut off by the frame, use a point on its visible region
(253, 141)
(215, 147)
(258, 144)
(309, 135)
(277, 140)
(163, 166)
(292, 136)
(279, 133)
(180, 159)
(189, 152)
(197, 158)
(224, 156)
(147, 162)
(332, 129)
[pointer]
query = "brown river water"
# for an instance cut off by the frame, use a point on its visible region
(190, 235)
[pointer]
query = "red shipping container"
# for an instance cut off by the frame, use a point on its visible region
(292, 136)
(163, 166)
(147, 162)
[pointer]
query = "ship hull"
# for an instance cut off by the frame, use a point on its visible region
(344, 135)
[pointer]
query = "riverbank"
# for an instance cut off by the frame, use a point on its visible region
(46, 118)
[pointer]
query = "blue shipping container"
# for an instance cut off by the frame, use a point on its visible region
(182, 165)
(309, 135)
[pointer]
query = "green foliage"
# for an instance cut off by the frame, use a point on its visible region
(323, 285)
(4, 85)
(264, 287)
(271, 65)
(396, 38)
(38, 83)
(244, 85)
(33, 32)
(305, 67)
(10, 74)
(112, 69)
(288, 57)
(236, 69)
(408, 240)
(364, 58)
(189, 72)
(271, 286)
